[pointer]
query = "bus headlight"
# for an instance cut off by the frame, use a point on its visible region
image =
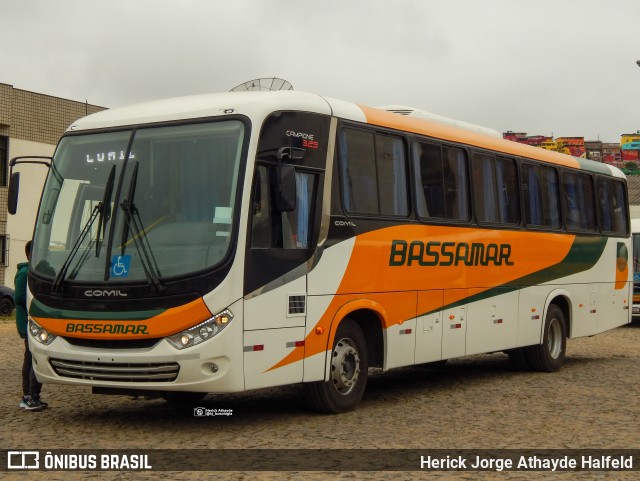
(40, 334)
(202, 332)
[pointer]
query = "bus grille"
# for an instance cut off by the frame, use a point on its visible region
(112, 344)
(122, 372)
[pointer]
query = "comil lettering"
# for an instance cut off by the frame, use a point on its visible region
(105, 293)
(434, 253)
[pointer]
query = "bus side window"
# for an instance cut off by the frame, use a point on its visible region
(495, 194)
(286, 230)
(261, 219)
(612, 205)
(540, 190)
(359, 172)
(441, 174)
(374, 173)
(300, 220)
(579, 211)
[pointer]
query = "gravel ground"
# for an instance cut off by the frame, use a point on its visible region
(478, 402)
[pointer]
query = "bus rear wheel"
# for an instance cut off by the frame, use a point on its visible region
(549, 356)
(349, 369)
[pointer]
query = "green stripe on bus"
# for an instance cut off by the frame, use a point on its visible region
(583, 255)
(38, 309)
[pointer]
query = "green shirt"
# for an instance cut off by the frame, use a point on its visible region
(20, 299)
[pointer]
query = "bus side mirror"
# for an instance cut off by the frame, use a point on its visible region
(14, 181)
(12, 198)
(286, 189)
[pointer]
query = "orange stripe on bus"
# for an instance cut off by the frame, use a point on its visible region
(430, 128)
(165, 324)
(396, 287)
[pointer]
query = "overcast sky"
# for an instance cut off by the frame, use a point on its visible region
(549, 67)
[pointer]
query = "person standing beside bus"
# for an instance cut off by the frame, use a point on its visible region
(30, 386)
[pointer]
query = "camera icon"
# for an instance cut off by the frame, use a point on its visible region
(199, 412)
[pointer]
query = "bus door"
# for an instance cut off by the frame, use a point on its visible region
(276, 278)
(283, 231)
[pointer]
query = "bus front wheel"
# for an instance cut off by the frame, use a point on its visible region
(549, 356)
(349, 369)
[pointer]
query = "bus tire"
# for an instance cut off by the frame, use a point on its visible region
(549, 356)
(349, 370)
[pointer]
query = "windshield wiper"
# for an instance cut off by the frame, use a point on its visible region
(140, 240)
(105, 212)
(100, 210)
(85, 230)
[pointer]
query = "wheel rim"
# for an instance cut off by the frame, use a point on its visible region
(554, 342)
(345, 366)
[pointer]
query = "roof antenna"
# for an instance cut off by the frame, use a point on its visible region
(271, 84)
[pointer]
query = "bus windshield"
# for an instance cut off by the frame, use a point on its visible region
(139, 205)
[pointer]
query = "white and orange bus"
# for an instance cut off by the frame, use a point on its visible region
(229, 242)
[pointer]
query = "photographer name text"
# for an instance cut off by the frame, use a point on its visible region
(527, 463)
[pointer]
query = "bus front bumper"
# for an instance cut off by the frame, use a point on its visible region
(208, 367)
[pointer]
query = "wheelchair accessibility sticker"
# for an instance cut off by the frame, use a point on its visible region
(120, 266)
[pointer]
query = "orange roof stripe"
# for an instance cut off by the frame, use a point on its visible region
(437, 130)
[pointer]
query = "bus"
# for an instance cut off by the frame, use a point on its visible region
(230, 242)
(635, 235)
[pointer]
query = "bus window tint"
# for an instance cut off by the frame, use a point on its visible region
(287, 230)
(495, 190)
(540, 192)
(579, 205)
(612, 207)
(392, 175)
(299, 220)
(442, 185)
(374, 174)
(360, 176)
(261, 220)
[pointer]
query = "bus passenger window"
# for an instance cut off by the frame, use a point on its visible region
(441, 174)
(374, 173)
(359, 172)
(579, 208)
(613, 207)
(495, 195)
(540, 191)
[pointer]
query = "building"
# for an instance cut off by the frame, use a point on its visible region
(30, 124)
(630, 147)
(575, 145)
(593, 150)
(611, 154)
(523, 138)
